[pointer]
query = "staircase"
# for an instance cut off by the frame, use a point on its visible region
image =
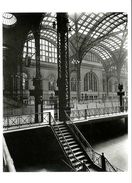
(78, 152)
(77, 158)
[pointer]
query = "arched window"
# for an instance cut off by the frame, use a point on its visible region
(110, 85)
(24, 81)
(90, 82)
(73, 84)
(51, 83)
(104, 85)
(48, 51)
(116, 86)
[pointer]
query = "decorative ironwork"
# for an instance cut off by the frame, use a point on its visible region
(95, 112)
(23, 121)
(95, 157)
(63, 65)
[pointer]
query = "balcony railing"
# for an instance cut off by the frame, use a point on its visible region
(86, 113)
(21, 121)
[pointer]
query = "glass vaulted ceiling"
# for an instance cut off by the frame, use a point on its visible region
(101, 33)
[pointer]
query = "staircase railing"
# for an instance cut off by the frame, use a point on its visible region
(95, 157)
(66, 143)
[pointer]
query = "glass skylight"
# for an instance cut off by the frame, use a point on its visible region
(100, 33)
(8, 19)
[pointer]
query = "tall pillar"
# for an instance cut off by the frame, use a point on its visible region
(107, 86)
(63, 65)
(78, 82)
(37, 80)
(21, 79)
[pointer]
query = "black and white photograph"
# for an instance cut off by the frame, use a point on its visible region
(66, 92)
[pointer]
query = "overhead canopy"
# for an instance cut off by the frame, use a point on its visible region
(103, 34)
(100, 33)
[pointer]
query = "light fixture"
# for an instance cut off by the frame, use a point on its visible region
(8, 20)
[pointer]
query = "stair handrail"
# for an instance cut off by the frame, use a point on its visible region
(87, 143)
(69, 148)
(111, 166)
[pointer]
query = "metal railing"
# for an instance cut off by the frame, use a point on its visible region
(20, 121)
(85, 113)
(53, 122)
(95, 157)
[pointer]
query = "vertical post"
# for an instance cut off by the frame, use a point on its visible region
(121, 93)
(55, 108)
(21, 80)
(107, 86)
(85, 113)
(78, 82)
(49, 118)
(63, 65)
(38, 94)
(103, 162)
(41, 109)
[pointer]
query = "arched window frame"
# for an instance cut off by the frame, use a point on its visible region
(24, 81)
(73, 84)
(51, 83)
(91, 82)
(110, 85)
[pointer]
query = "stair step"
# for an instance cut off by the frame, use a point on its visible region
(72, 142)
(75, 159)
(78, 155)
(77, 163)
(65, 130)
(65, 133)
(62, 129)
(79, 168)
(61, 124)
(81, 157)
(68, 140)
(61, 132)
(66, 148)
(68, 136)
(74, 145)
(76, 149)
(70, 155)
(68, 144)
(78, 152)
